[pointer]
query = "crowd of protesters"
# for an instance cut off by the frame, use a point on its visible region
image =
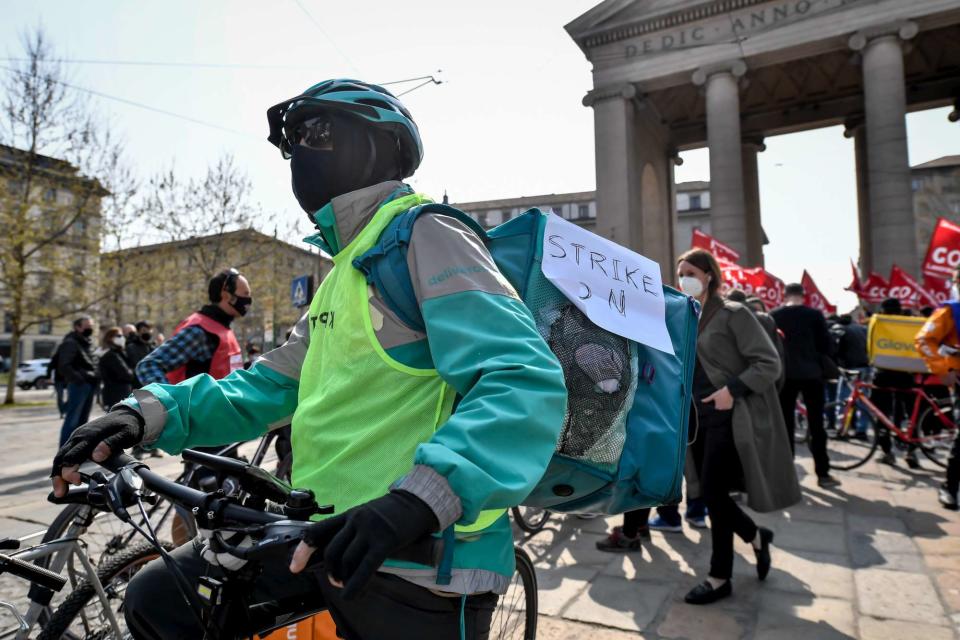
(751, 369)
(127, 357)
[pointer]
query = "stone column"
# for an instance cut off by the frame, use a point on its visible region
(617, 179)
(858, 132)
(634, 207)
(727, 219)
(751, 202)
(892, 226)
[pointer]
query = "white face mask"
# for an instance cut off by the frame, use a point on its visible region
(120, 341)
(691, 286)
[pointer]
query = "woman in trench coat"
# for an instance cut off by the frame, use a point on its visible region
(740, 440)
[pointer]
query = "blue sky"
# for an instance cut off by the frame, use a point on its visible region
(508, 120)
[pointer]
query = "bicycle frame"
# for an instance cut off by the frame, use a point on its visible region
(908, 435)
(60, 551)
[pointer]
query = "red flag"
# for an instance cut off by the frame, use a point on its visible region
(903, 287)
(720, 251)
(938, 289)
(875, 290)
(855, 285)
(943, 254)
(813, 297)
(755, 281)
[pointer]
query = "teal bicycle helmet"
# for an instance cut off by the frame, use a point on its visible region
(370, 102)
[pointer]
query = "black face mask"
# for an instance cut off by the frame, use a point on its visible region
(242, 304)
(86, 333)
(146, 336)
(360, 157)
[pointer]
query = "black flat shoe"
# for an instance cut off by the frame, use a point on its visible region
(703, 593)
(763, 553)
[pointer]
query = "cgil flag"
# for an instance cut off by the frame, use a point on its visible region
(855, 285)
(938, 288)
(813, 297)
(943, 253)
(875, 289)
(755, 281)
(723, 253)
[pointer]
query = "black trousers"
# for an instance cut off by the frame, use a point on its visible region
(812, 391)
(953, 467)
(390, 607)
(720, 473)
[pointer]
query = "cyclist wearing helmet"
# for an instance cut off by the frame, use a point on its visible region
(406, 433)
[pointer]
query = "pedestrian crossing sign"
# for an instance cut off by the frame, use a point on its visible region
(301, 289)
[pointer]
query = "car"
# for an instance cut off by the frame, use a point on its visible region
(33, 373)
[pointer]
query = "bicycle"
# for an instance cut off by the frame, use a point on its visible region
(33, 574)
(103, 586)
(530, 519)
(930, 428)
(273, 515)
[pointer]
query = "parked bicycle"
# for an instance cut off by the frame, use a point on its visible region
(931, 428)
(36, 576)
(92, 608)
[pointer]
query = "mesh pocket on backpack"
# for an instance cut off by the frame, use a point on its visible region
(600, 370)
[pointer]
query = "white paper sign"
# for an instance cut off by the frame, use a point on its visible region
(618, 289)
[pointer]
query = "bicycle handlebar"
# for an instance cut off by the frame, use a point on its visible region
(185, 496)
(279, 532)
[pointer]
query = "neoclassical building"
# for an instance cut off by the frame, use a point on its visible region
(670, 75)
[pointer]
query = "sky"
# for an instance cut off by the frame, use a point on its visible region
(507, 120)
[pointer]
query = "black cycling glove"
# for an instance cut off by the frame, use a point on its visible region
(355, 543)
(120, 429)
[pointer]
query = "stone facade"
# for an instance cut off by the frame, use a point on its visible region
(65, 269)
(173, 280)
(671, 75)
(692, 205)
(936, 194)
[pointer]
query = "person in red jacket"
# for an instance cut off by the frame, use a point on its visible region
(204, 341)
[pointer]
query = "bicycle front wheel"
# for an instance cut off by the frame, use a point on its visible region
(849, 448)
(530, 519)
(515, 617)
(82, 614)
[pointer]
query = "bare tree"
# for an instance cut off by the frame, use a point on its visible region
(53, 155)
(211, 208)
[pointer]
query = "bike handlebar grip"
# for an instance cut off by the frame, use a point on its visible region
(74, 495)
(31, 572)
(117, 461)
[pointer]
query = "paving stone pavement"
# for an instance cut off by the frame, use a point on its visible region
(877, 558)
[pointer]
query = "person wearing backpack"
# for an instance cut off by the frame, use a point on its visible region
(406, 433)
(740, 440)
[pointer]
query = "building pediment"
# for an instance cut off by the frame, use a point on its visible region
(618, 19)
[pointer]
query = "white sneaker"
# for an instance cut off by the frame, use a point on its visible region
(947, 499)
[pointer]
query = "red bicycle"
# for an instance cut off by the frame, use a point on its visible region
(930, 428)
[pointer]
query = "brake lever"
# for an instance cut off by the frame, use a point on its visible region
(283, 535)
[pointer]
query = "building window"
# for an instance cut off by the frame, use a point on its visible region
(50, 195)
(683, 202)
(43, 348)
(7, 322)
(583, 211)
(695, 202)
(45, 328)
(494, 217)
(916, 184)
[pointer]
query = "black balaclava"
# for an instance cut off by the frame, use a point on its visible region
(361, 156)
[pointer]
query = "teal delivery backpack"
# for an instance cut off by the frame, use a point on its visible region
(624, 437)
